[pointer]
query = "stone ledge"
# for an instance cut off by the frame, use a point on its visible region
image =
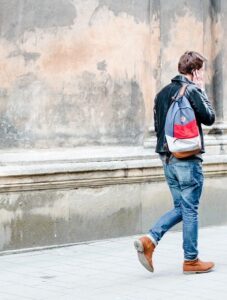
(78, 154)
(71, 169)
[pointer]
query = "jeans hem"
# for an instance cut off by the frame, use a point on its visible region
(191, 259)
(152, 239)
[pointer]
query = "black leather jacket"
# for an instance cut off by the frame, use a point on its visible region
(204, 111)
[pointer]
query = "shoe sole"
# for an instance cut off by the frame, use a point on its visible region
(142, 258)
(198, 272)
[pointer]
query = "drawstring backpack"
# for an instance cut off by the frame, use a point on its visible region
(181, 129)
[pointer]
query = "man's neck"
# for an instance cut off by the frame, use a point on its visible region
(188, 76)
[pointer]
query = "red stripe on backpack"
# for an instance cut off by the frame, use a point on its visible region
(187, 131)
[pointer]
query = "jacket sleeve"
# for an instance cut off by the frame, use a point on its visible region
(202, 106)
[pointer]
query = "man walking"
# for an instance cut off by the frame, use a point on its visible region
(184, 176)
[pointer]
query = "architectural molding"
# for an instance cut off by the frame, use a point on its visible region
(43, 174)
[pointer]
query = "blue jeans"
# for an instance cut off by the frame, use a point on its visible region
(185, 180)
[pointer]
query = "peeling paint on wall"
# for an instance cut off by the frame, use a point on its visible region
(136, 8)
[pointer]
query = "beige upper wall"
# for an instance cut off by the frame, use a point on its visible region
(86, 72)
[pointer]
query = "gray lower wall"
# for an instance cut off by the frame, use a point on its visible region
(45, 218)
(110, 201)
(213, 205)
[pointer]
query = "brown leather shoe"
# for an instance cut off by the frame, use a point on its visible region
(145, 249)
(197, 266)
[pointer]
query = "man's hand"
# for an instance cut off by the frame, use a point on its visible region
(198, 78)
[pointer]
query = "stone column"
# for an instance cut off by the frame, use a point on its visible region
(216, 138)
(152, 68)
(222, 6)
(217, 51)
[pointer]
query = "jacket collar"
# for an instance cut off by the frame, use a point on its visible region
(182, 79)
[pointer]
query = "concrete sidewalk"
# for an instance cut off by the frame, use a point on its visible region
(110, 270)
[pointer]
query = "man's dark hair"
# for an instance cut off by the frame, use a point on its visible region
(190, 61)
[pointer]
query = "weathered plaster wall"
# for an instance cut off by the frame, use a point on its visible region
(72, 72)
(84, 72)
